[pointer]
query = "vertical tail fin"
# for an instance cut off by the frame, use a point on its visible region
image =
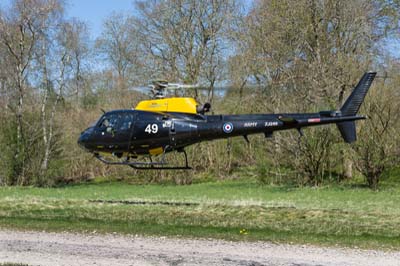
(352, 105)
(348, 131)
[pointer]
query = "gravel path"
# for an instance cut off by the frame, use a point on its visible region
(40, 248)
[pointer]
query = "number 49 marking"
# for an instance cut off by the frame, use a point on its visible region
(151, 128)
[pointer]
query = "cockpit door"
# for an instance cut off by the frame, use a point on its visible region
(132, 132)
(124, 131)
(114, 131)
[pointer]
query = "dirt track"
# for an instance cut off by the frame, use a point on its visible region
(39, 248)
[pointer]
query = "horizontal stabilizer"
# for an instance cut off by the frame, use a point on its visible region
(288, 119)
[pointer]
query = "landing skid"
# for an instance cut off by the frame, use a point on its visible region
(151, 165)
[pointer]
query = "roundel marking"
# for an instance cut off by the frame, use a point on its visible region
(228, 127)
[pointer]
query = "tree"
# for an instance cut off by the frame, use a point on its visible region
(377, 148)
(314, 51)
(185, 40)
(39, 46)
(19, 35)
(119, 47)
(74, 37)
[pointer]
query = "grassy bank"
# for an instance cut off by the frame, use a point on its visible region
(348, 216)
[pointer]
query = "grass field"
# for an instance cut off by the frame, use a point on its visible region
(339, 215)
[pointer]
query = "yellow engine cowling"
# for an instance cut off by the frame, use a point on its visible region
(179, 105)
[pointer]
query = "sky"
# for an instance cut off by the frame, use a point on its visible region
(93, 12)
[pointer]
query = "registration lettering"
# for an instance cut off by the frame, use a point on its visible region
(271, 123)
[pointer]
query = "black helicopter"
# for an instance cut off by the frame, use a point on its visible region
(161, 125)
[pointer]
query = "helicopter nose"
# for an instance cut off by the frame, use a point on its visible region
(84, 138)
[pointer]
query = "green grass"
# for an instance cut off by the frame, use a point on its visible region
(343, 215)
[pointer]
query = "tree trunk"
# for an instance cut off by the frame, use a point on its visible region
(44, 130)
(347, 172)
(19, 151)
(373, 180)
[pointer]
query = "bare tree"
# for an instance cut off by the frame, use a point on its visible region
(119, 47)
(19, 34)
(54, 81)
(76, 40)
(185, 39)
(63, 49)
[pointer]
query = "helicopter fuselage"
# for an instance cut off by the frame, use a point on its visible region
(136, 133)
(163, 125)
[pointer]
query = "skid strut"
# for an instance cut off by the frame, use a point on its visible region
(151, 165)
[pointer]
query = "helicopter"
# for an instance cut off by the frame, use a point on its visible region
(164, 124)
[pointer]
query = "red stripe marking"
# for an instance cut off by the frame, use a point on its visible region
(314, 120)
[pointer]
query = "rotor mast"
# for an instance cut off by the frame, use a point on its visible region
(160, 88)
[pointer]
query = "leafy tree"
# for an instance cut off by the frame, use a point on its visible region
(377, 148)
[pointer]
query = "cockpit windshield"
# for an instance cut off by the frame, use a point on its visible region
(94, 123)
(120, 121)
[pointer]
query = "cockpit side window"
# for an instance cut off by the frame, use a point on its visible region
(127, 120)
